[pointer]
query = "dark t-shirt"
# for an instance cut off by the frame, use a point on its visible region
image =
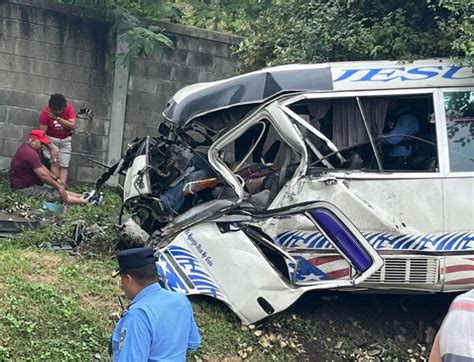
(26, 159)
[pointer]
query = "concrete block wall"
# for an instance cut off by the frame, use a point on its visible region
(198, 56)
(47, 47)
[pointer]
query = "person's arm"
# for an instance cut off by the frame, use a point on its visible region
(48, 178)
(435, 355)
(135, 338)
(69, 120)
(406, 125)
(69, 124)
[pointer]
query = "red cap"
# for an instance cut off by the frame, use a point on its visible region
(38, 134)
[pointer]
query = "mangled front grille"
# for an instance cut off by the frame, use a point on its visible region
(406, 270)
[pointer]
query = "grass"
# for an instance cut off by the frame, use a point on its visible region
(58, 307)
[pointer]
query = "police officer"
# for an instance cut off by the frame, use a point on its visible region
(158, 324)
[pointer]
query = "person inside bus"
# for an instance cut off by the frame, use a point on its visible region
(400, 147)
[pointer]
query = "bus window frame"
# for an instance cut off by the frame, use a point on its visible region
(441, 122)
(441, 134)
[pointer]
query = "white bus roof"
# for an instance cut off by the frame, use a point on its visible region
(259, 86)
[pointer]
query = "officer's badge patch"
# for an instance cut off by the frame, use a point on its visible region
(123, 332)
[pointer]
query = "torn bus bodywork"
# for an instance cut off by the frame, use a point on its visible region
(288, 151)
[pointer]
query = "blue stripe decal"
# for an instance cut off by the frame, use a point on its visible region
(383, 241)
(193, 268)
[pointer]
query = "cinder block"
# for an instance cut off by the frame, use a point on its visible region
(138, 116)
(14, 63)
(89, 144)
(168, 88)
(129, 131)
(142, 84)
(11, 132)
(185, 75)
(142, 101)
(72, 73)
(21, 116)
(87, 174)
(5, 163)
(100, 77)
(3, 115)
(175, 56)
(22, 99)
(25, 48)
(72, 176)
(7, 44)
(99, 94)
(224, 66)
(82, 126)
(99, 127)
(10, 147)
(6, 78)
(138, 67)
(71, 90)
(200, 60)
(30, 83)
(208, 77)
(158, 71)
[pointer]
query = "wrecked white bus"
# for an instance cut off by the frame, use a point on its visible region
(350, 176)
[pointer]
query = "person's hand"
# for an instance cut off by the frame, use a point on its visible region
(54, 155)
(54, 116)
(63, 193)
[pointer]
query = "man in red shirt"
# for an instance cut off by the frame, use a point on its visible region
(28, 174)
(58, 121)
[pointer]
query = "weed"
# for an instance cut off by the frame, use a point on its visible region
(55, 307)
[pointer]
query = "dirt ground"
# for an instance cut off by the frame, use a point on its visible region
(363, 327)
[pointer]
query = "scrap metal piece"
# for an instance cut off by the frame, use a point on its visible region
(11, 224)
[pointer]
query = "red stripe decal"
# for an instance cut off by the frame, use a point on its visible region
(461, 281)
(324, 259)
(458, 268)
(462, 306)
(338, 273)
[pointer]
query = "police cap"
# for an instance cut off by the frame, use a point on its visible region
(133, 259)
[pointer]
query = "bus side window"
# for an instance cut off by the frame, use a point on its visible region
(400, 127)
(459, 108)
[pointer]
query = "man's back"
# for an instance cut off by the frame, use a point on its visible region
(159, 325)
(21, 168)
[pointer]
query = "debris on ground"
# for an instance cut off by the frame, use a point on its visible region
(12, 224)
(132, 234)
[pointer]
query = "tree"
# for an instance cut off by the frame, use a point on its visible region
(235, 16)
(306, 31)
(301, 31)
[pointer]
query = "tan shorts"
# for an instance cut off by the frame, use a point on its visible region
(64, 147)
(45, 192)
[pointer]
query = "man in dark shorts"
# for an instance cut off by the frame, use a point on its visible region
(28, 175)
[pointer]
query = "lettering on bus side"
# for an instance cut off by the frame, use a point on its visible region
(402, 73)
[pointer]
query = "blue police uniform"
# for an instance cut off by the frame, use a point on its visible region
(158, 325)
